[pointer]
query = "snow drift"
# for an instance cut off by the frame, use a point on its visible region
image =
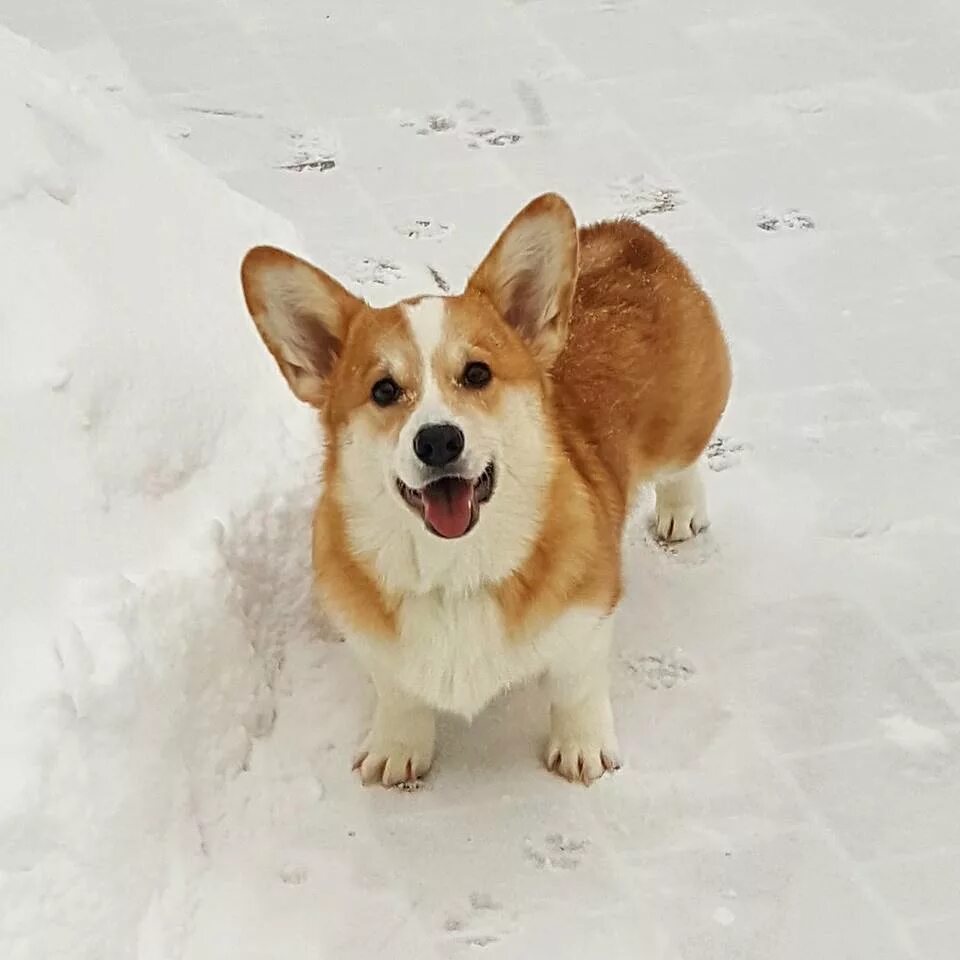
(151, 461)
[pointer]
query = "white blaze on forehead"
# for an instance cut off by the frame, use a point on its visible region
(426, 318)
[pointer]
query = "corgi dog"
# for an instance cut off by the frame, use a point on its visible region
(482, 452)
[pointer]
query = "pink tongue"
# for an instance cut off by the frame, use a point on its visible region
(448, 507)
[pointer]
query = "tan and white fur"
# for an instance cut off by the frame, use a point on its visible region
(482, 453)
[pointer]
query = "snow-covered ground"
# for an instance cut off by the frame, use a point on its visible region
(176, 722)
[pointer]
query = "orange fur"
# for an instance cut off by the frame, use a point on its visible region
(645, 373)
(638, 388)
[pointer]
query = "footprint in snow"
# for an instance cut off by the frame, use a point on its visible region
(661, 672)
(558, 852)
(472, 124)
(374, 270)
(636, 197)
(789, 221)
(423, 228)
(485, 922)
(724, 452)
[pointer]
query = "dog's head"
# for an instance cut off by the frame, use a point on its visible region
(435, 407)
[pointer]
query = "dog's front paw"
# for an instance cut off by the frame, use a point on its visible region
(583, 762)
(582, 755)
(393, 758)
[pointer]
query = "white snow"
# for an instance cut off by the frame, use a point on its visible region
(907, 733)
(149, 456)
(724, 916)
(176, 723)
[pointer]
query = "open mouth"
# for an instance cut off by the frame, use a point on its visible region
(450, 506)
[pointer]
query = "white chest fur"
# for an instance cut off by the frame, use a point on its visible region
(454, 653)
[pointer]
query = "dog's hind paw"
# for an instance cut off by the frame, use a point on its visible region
(681, 506)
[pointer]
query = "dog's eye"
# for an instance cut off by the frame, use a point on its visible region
(476, 375)
(385, 392)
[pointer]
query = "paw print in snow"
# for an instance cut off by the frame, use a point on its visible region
(424, 229)
(559, 852)
(486, 922)
(471, 123)
(790, 220)
(661, 672)
(492, 137)
(723, 453)
(433, 123)
(371, 270)
(637, 198)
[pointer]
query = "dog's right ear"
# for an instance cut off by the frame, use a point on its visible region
(301, 314)
(531, 272)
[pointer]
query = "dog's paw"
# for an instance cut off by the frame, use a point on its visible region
(393, 759)
(681, 505)
(680, 521)
(582, 759)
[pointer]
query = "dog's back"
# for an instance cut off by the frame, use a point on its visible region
(644, 374)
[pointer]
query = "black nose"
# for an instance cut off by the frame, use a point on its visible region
(438, 444)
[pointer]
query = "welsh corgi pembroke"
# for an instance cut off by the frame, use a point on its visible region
(482, 452)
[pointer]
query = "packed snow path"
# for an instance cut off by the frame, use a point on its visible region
(787, 686)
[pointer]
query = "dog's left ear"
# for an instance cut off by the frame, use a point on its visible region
(531, 272)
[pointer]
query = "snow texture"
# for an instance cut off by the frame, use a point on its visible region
(176, 721)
